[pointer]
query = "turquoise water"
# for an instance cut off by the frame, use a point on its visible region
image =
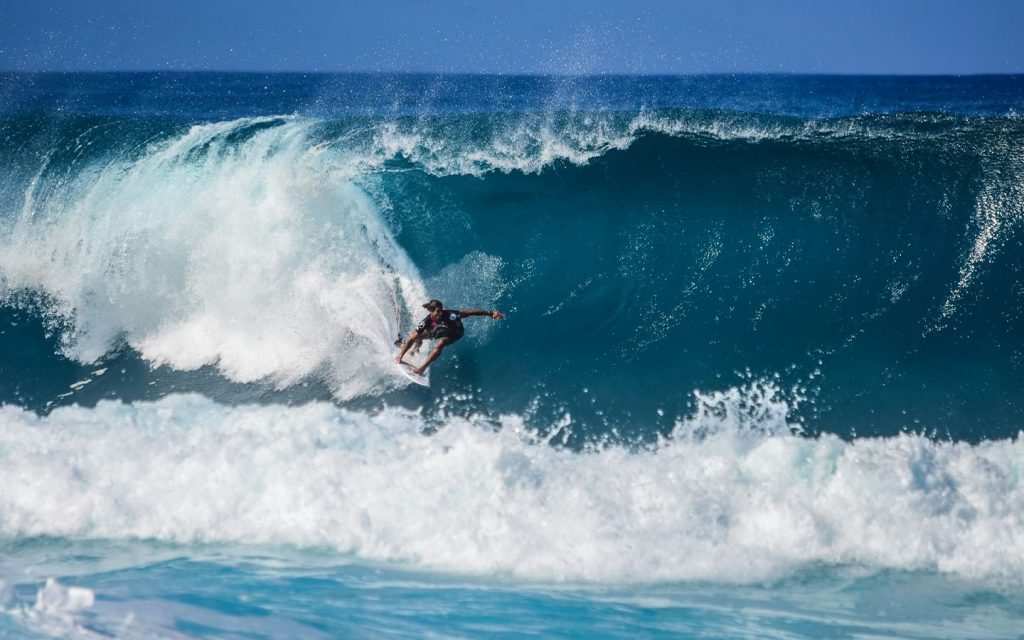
(760, 375)
(201, 591)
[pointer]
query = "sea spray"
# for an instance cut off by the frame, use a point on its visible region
(225, 246)
(743, 501)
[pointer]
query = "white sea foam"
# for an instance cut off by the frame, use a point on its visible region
(55, 598)
(234, 244)
(732, 496)
(531, 143)
(528, 145)
(56, 611)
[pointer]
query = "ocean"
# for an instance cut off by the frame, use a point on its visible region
(760, 375)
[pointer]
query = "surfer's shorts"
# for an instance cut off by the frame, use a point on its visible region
(445, 331)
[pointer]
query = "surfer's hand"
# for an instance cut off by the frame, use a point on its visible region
(497, 315)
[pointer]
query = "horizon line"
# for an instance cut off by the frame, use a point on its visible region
(524, 74)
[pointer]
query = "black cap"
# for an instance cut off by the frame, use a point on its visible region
(433, 305)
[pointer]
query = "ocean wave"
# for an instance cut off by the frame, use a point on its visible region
(533, 143)
(228, 245)
(284, 249)
(479, 143)
(733, 495)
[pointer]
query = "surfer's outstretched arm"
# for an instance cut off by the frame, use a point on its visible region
(497, 315)
(434, 353)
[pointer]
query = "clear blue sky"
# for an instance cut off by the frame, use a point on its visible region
(526, 36)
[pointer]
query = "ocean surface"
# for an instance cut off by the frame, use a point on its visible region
(760, 376)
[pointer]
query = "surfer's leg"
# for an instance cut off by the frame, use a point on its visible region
(416, 346)
(438, 348)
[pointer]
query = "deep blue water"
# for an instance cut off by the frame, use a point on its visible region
(764, 341)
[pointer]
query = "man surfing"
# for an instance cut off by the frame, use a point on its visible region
(443, 326)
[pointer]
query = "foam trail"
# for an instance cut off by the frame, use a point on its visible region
(236, 244)
(999, 208)
(733, 496)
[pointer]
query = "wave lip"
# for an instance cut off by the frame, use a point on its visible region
(531, 143)
(733, 496)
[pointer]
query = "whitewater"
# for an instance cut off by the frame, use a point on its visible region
(759, 377)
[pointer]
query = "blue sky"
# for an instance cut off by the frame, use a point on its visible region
(528, 36)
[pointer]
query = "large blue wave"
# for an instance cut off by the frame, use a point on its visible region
(724, 308)
(869, 263)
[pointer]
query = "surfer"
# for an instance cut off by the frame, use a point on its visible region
(442, 325)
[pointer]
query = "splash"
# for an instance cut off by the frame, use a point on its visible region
(999, 209)
(732, 496)
(236, 244)
(56, 612)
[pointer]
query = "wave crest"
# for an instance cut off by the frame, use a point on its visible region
(230, 245)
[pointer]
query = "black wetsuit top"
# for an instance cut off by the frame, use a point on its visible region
(449, 325)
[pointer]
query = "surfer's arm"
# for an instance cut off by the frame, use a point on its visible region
(434, 353)
(497, 315)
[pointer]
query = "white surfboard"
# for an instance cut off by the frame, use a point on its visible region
(408, 364)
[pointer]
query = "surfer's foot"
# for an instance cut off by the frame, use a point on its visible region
(418, 371)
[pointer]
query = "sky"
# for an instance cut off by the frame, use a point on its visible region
(525, 36)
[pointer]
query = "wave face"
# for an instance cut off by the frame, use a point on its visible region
(649, 237)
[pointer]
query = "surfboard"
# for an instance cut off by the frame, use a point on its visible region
(406, 367)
